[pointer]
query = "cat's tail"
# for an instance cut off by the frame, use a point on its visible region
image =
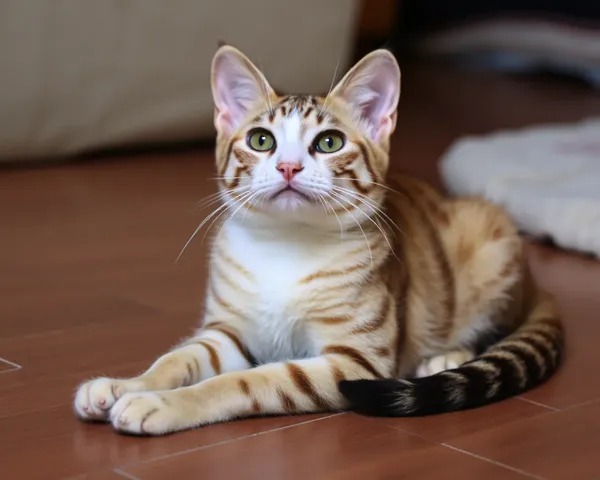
(517, 363)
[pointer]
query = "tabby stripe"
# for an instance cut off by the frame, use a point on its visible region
(287, 402)
(146, 416)
(331, 320)
(354, 355)
(527, 352)
(554, 345)
(526, 365)
(378, 242)
(378, 320)
(233, 337)
(225, 165)
(543, 354)
(197, 366)
(314, 311)
(401, 303)
(551, 331)
(244, 157)
(331, 273)
(341, 162)
(227, 259)
(547, 344)
(382, 351)
(216, 268)
(338, 374)
(368, 162)
(191, 376)
(307, 112)
(236, 177)
(356, 181)
(226, 306)
(304, 384)
(442, 260)
(349, 207)
(215, 363)
(245, 387)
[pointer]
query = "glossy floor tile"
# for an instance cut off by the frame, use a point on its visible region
(90, 285)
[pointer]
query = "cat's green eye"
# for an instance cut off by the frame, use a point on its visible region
(261, 140)
(329, 142)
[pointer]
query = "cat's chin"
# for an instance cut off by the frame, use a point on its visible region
(290, 200)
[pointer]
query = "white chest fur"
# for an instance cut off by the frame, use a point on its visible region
(277, 303)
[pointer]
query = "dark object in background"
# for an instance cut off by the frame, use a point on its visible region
(509, 35)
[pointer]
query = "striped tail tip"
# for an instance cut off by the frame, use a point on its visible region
(381, 398)
(448, 391)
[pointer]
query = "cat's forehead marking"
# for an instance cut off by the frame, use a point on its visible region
(292, 127)
(293, 112)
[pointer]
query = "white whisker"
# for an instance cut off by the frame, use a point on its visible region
(215, 197)
(245, 201)
(359, 226)
(372, 221)
(326, 204)
(381, 185)
(371, 204)
(221, 209)
(239, 200)
(265, 91)
(337, 65)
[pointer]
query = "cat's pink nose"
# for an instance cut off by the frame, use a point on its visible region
(289, 169)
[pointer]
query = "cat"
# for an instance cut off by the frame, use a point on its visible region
(334, 284)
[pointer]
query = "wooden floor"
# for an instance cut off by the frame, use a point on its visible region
(90, 286)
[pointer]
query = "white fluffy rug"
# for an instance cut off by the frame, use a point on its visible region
(546, 177)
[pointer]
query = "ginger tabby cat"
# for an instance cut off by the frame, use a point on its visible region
(334, 285)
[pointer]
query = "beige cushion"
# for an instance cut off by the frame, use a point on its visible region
(79, 75)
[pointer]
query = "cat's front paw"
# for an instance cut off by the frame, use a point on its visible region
(95, 398)
(144, 413)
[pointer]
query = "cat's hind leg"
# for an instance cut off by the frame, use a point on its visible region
(446, 361)
(216, 349)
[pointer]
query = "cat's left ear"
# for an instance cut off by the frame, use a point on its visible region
(237, 86)
(372, 87)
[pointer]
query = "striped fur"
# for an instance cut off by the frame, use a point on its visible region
(355, 289)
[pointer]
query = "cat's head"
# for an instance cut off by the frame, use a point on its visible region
(304, 158)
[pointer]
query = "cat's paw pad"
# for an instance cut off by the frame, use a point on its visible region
(95, 398)
(145, 413)
(439, 363)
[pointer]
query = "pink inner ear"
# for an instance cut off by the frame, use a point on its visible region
(373, 89)
(382, 104)
(236, 89)
(224, 122)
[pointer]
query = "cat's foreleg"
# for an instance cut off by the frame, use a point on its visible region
(215, 349)
(302, 386)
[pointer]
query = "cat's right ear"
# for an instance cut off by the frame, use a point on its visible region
(237, 85)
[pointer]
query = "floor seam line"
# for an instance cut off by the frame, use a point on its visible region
(533, 402)
(493, 462)
(125, 474)
(225, 442)
(15, 365)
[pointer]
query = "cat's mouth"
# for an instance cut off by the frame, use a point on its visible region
(291, 193)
